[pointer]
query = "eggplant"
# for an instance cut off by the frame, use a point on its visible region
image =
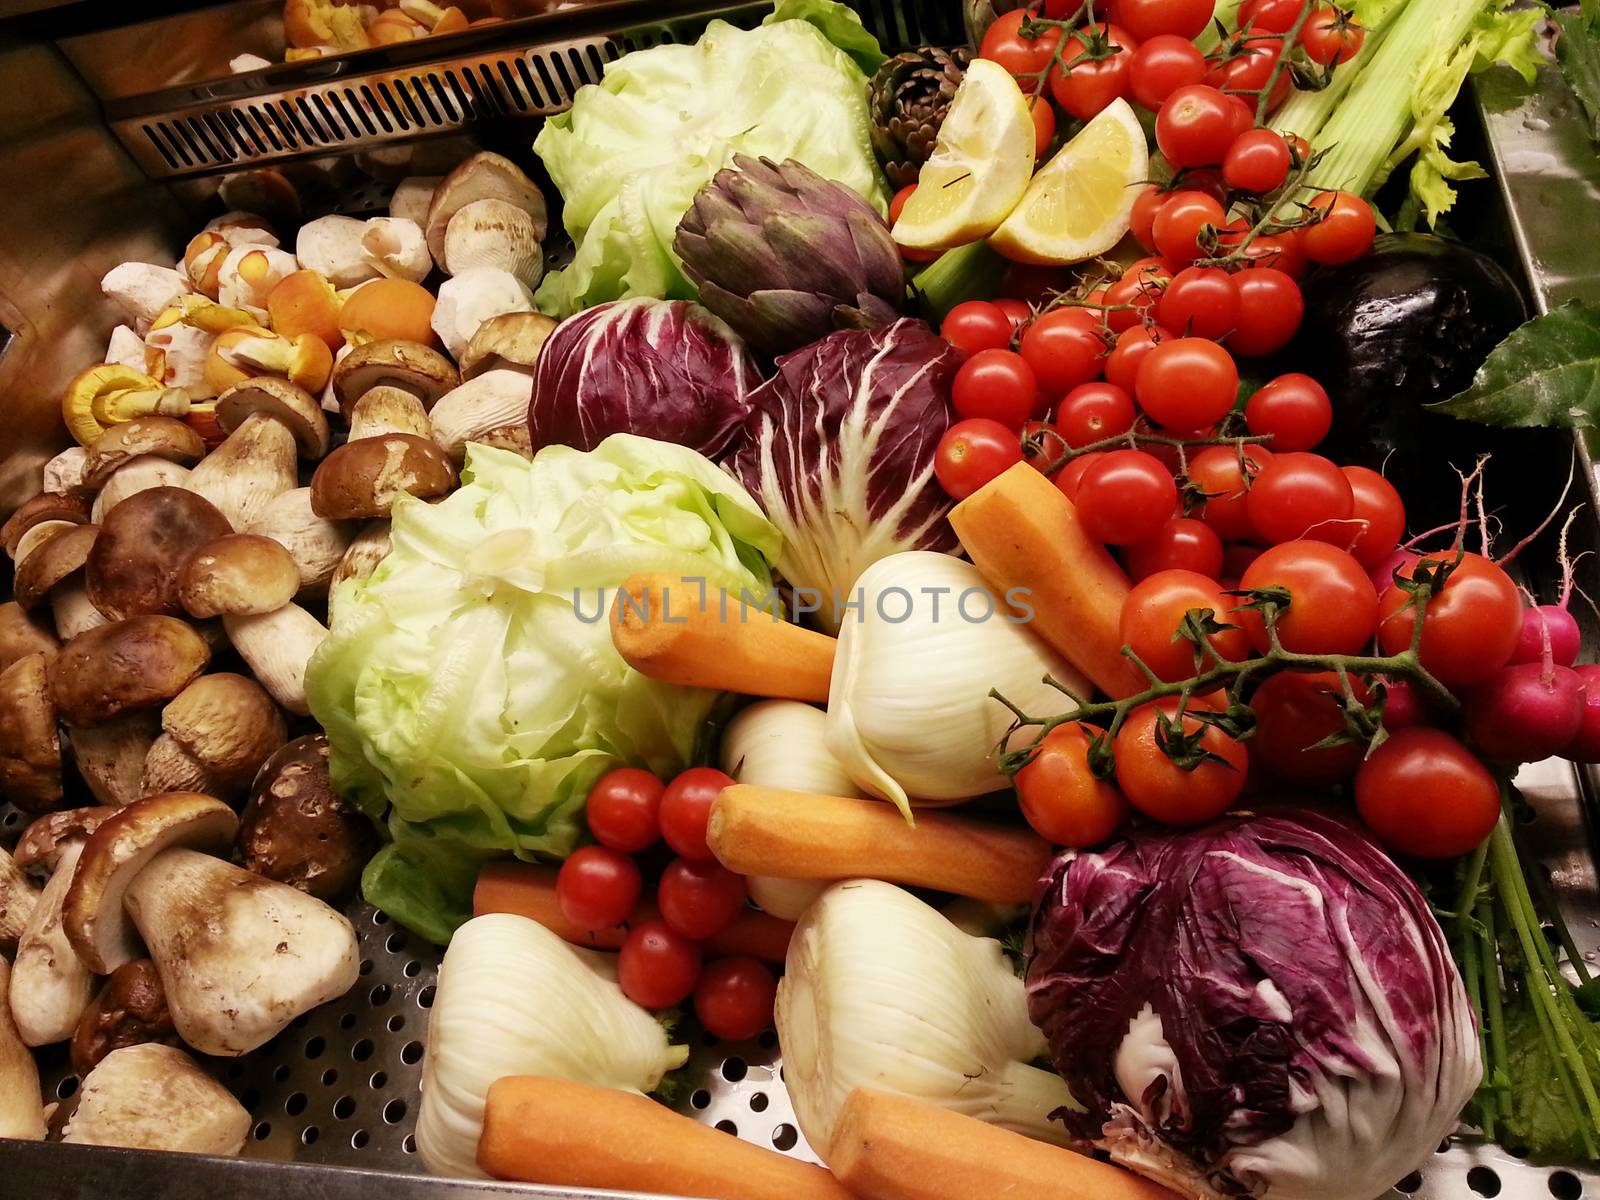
(1408, 324)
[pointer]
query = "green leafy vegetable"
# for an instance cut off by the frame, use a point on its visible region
(1578, 51)
(1538, 1115)
(1547, 373)
(840, 25)
(469, 688)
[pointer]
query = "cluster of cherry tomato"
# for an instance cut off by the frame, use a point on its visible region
(662, 961)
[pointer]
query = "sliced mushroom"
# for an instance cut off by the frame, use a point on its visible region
(110, 757)
(21, 635)
(331, 246)
(492, 400)
(93, 916)
(410, 366)
(469, 299)
(509, 340)
(18, 899)
(237, 574)
(66, 507)
(129, 1010)
(484, 176)
(296, 828)
(51, 986)
(134, 562)
(155, 1097)
(21, 1102)
(370, 547)
(138, 663)
(30, 750)
(315, 543)
(388, 410)
(56, 572)
(135, 476)
(396, 249)
(361, 480)
(277, 646)
(497, 234)
(64, 472)
(45, 837)
(164, 437)
(218, 732)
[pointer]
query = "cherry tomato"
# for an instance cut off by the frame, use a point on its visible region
(1132, 348)
(970, 454)
(1281, 251)
(734, 998)
(1196, 126)
(1219, 473)
(1059, 795)
(1270, 16)
(1034, 283)
(686, 807)
(1182, 222)
(1236, 560)
(1154, 611)
(1330, 36)
(657, 966)
(1159, 787)
(1333, 607)
(1424, 794)
(1294, 711)
(1068, 479)
(624, 809)
(1140, 297)
(597, 888)
(1017, 311)
(1084, 87)
(996, 384)
(1161, 66)
(1182, 544)
(1044, 124)
(1343, 232)
(1065, 347)
(1380, 516)
(1145, 207)
(1472, 625)
(975, 325)
(1187, 383)
(1258, 162)
(1154, 18)
(1200, 302)
(1004, 43)
(1126, 497)
(1293, 410)
(1248, 71)
(896, 206)
(1270, 311)
(1302, 495)
(1042, 444)
(700, 899)
(1093, 412)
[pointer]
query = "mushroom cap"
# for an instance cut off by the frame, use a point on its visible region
(46, 506)
(362, 479)
(511, 339)
(49, 564)
(138, 663)
(416, 368)
(21, 635)
(237, 574)
(369, 548)
(130, 1010)
(30, 750)
(484, 176)
(155, 1097)
(92, 916)
(164, 437)
(228, 723)
(43, 840)
(133, 565)
(287, 402)
(296, 828)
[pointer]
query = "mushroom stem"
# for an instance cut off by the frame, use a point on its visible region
(18, 899)
(370, 547)
(277, 645)
(154, 1097)
(239, 956)
(21, 1103)
(241, 476)
(111, 756)
(315, 543)
(74, 612)
(386, 409)
(50, 985)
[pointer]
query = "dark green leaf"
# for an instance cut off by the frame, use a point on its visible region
(1578, 51)
(1538, 1115)
(1547, 374)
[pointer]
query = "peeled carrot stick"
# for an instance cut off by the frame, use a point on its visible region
(797, 835)
(686, 632)
(1025, 536)
(565, 1134)
(888, 1147)
(530, 891)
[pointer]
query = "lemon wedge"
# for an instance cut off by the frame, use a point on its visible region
(1080, 202)
(979, 168)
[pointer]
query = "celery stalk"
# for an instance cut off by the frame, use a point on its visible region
(1305, 113)
(1227, 12)
(969, 272)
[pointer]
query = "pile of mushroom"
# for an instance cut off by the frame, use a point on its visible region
(259, 412)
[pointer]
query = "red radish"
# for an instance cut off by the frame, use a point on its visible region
(1585, 747)
(1526, 712)
(1564, 636)
(1403, 705)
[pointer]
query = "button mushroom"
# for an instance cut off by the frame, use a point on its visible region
(497, 234)
(296, 828)
(331, 246)
(138, 663)
(155, 1097)
(110, 757)
(30, 750)
(142, 290)
(363, 479)
(51, 985)
(129, 1010)
(469, 299)
(21, 1103)
(55, 572)
(267, 421)
(217, 733)
(396, 249)
(493, 400)
(66, 507)
(239, 956)
(484, 176)
(133, 565)
(163, 437)
(509, 340)
(315, 543)
(18, 899)
(21, 635)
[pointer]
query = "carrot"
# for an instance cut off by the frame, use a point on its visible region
(888, 1147)
(1024, 535)
(530, 891)
(566, 1134)
(797, 835)
(682, 631)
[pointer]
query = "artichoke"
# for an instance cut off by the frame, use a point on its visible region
(908, 99)
(786, 256)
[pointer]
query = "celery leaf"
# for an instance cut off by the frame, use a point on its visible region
(1547, 373)
(1511, 38)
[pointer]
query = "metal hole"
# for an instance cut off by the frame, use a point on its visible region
(161, 149)
(412, 969)
(425, 997)
(348, 1021)
(315, 1047)
(309, 120)
(362, 1050)
(734, 1069)
(309, 1135)
(235, 1070)
(710, 1040)
(66, 1087)
(728, 1127)
(784, 1137)
(366, 966)
(552, 90)
(758, 1102)
(330, 1077)
(344, 1108)
(250, 1097)
(394, 1112)
(375, 110)
(295, 1104)
(11, 817)
(335, 134)
(768, 1040)
(379, 996)
(1483, 1181)
(1411, 1183)
(1444, 1146)
(263, 1131)
(395, 1023)
(409, 1145)
(301, 1021)
(1524, 815)
(378, 1081)
(411, 1053)
(395, 110)
(264, 126)
(359, 1139)
(431, 89)
(528, 82)
(280, 1073)
(700, 1099)
(395, 942)
(513, 87)
(1564, 1185)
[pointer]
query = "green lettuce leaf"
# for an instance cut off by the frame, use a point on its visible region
(1538, 1116)
(1546, 373)
(1578, 52)
(840, 24)
(469, 687)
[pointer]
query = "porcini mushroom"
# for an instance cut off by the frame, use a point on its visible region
(155, 1097)
(55, 572)
(331, 246)
(21, 635)
(46, 837)
(388, 410)
(298, 830)
(277, 645)
(130, 1009)
(510, 340)
(51, 985)
(133, 564)
(162, 437)
(142, 290)
(492, 400)
(127, 665)
(266, 191)
(110, 756)
(217, 733)
(370, 547)
(21, 1102)
(388, 309)
(267, 421)
(64, 472)
(469, 299)
(69, 507)
(396, 249)
(18, 899)
(30, 751)
(497, 234)
(315, 543)
(363, 479)
(410, 366)
(305, 302)
(235, 574)
(413, 196)
(484, 176)
(135, 476)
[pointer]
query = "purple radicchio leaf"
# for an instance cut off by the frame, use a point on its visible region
(663, 369)
(1264, 1004)
(838, 449)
